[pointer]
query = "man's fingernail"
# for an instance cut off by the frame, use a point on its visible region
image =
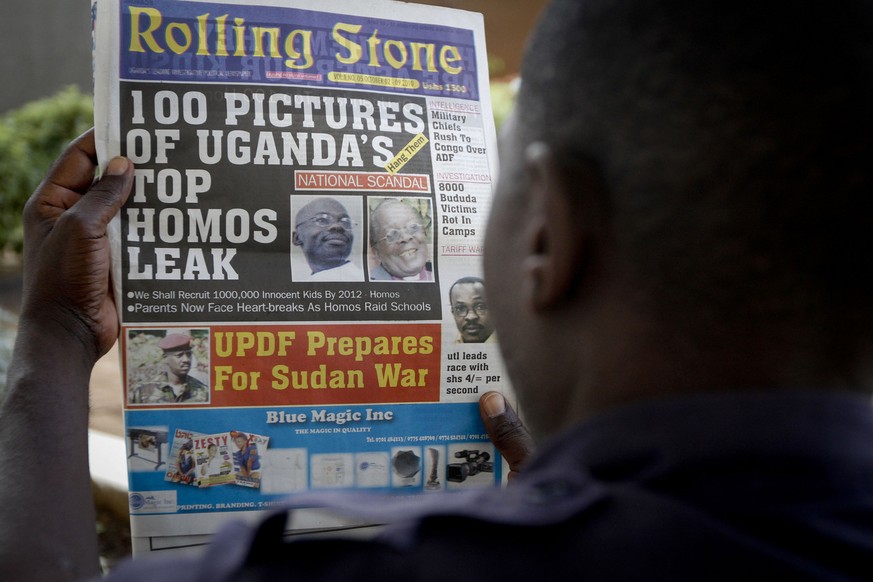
(117, 166)
(494, 404)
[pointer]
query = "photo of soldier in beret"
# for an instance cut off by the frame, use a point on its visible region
(160, 368)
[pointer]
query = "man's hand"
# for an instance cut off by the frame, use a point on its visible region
(66, 250)
(506, 431)
(68, 320)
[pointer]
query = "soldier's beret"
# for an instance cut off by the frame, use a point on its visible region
(174, 342)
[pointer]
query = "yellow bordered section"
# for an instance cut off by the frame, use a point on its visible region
(360, 79)
(405, 154)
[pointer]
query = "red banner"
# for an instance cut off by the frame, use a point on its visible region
(325, 364)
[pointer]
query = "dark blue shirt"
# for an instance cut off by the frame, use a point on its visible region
(731, 486)
(249, 453)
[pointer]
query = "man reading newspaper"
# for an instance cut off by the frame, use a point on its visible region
(676, 267)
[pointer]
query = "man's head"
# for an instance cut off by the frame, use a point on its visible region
(177, 354)
(241, 440)
(325, 232)
(398, 237)
(470, 309)
(691, 181)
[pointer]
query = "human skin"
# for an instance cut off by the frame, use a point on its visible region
(537, 251)
(179, 364)
(68, 309)
(473, 327)
(241, 443)
(407, 256)
(324, 247)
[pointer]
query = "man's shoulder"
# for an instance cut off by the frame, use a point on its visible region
(378, 273)
(196, 391)
(194, 383)
(156, 390)
(604, 502)
(347, 272)
(621, 534)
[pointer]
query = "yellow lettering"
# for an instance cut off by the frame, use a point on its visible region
(239, 32)
(273, 36)
(171, 39)
(399, 61)
(450, 54)
(221, 41)
(373, 42)
(429, 56)
(352, 379)
(392, 375)
(345, 346)
(223, 343)
(202, 47)
(245, 340)
(147, 35)
(285, 340)
(280, 377)
(294, 55)
(316, 341)
(352, 47)
(222, 373)
(266, 344)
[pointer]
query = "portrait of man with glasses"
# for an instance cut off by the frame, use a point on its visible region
(470, 310)
(325, 232)
(399, 235)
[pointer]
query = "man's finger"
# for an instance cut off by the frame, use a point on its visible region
(69, 177)
(74, 168)
(506, 431)
(106, 196)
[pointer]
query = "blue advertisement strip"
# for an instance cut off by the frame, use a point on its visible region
(204, 42)
(263, 455)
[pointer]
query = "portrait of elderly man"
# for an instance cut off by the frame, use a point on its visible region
(470, 310)
(324, 230)
(174, 384)
(398, 239)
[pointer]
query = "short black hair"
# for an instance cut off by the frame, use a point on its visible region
(733, 140)
(468, 280)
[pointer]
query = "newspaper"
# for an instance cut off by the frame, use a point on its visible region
(312, 179)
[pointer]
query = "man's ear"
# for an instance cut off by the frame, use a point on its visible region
(559, 235)
(295, 240)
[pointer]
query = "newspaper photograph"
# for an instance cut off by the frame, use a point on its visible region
(298, 266)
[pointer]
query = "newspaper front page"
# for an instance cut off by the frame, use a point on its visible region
(298, 266)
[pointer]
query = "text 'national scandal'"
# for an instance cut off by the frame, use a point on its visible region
(170, 216)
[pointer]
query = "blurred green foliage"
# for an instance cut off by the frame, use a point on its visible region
(31, 137)
(502, 100)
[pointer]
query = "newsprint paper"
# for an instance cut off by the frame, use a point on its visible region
(312, 178)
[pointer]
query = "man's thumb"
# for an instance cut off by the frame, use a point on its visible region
(506, 430)
(108, 194)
